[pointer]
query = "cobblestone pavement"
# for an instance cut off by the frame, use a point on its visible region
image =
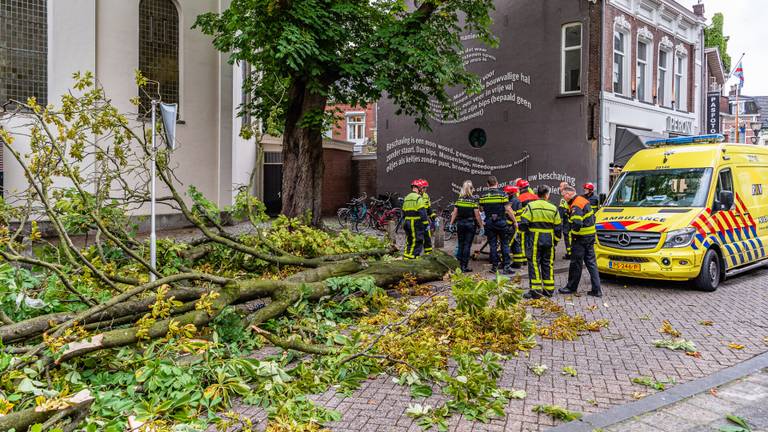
(606, 361)
(746, 398)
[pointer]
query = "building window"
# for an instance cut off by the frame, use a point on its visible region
(571, 58)
(681, 96)
(24, 50)
(355, 127)
(159, 51)
(619, 62)
(664, 84)
(643, 76)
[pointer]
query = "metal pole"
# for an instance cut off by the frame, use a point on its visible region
(152, 235)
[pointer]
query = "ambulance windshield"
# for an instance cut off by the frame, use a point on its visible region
(685, 187)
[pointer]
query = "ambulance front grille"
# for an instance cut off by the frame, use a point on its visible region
(628, 240)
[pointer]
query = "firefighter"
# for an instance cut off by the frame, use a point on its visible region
(466, 216)
(416, 220)
(516, 247)
(563, 208)
(497, 210)
(431, 217)
(582, 220)
(589, 194)
(526, 196)
(542, 225)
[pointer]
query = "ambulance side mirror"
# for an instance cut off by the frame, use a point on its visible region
(725, 199)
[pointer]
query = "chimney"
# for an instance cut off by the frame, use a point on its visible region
(734, 88)
(698, 10)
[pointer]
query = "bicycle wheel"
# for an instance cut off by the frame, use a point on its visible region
(342, 215)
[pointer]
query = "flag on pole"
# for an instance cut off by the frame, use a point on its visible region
(168, 115)
(739, 73)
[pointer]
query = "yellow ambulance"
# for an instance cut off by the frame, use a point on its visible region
(687, 209)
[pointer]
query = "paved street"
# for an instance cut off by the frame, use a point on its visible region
(606, 361)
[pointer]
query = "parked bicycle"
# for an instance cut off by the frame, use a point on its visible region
(381, 212)
(354, 214)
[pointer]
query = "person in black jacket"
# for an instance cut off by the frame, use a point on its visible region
(466, 216)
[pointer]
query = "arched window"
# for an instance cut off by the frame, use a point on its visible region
(159, 50)
(24, 50)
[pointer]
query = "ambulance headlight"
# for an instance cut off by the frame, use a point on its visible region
(680, 238)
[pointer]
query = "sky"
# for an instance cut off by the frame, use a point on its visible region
(746, 22)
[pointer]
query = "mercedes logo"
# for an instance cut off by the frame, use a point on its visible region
(624, 239)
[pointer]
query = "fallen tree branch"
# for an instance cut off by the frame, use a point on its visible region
(74, 407)
(293, 343)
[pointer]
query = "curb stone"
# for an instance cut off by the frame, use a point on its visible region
(665, 398)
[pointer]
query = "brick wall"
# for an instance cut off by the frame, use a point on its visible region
(364, 176)
(611, 12)
(340, 129)
(337, 180)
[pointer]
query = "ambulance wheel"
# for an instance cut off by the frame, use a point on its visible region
(710, 274)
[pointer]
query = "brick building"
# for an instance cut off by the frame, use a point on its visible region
(355, 124)
(750, 117)
(606, 77)
(652, 77)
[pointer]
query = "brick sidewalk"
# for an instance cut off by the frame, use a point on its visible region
(606, 361)
(705, 412)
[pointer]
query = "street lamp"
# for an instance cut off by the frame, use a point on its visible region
(756, 127)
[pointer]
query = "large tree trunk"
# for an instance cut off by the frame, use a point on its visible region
(303, 154)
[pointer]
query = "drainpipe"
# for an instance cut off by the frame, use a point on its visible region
(602, 147)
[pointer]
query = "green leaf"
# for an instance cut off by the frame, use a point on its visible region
(739, 421)
(422, 391)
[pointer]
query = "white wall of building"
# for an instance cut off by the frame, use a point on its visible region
(102, 37)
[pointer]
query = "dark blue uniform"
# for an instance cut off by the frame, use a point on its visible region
(465, 227)
(494, 202)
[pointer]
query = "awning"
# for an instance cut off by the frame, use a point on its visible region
(629, 141)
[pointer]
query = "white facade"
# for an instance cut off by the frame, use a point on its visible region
(648, 109)
(102, 36)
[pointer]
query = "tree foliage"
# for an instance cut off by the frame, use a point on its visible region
(350, 51)
(344, 51)
(714, 38)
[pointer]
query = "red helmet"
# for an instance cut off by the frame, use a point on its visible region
(589, 186)
(416, 182)
(522, 184)
(424, 183)
(510, 190)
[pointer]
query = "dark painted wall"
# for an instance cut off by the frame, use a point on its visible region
(522, 112)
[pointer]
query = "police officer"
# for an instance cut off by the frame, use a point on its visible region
(516, 247)
(416, 220)
(563, 208)
(430, 213)
(589, 194)
(466, 216)
(582, 220)
(497, 210)
(542, 225)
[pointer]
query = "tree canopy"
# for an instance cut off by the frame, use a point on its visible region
(714, 38)
(351, 51)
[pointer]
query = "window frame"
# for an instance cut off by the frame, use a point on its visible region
(715, 198)
(624, 62)
(681, 88)
(356, 124)
(564, 50)
(152, 37)
(25, 49)
(664, 98)
(647, 87)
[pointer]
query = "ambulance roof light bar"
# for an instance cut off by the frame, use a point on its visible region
(697, 139)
